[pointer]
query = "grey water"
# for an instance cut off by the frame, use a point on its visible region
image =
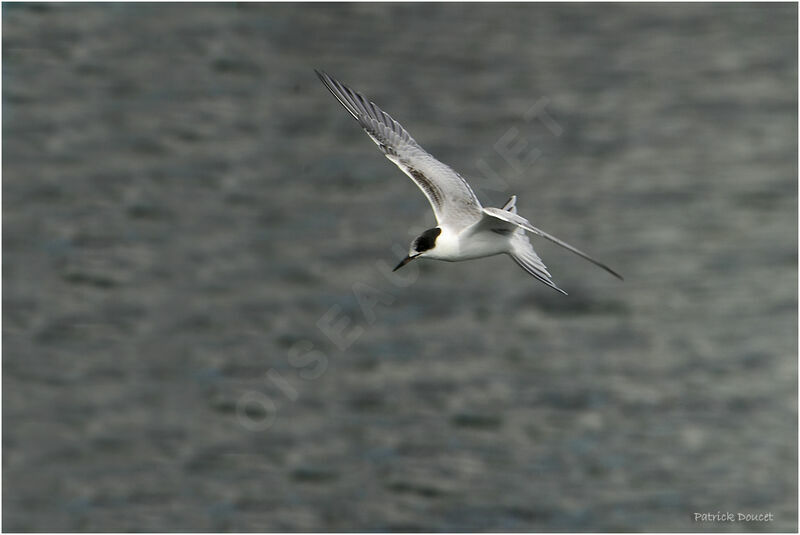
(201, 331)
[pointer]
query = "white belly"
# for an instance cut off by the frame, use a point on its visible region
(453, 247)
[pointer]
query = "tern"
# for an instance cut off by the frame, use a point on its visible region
(465, 230)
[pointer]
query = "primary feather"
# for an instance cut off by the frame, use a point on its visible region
(453, 201)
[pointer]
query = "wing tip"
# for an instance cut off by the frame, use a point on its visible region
(328, 80)
(525, 224)
(556, 288)
(617, 275)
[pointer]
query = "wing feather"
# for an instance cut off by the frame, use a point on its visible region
(453, 201)
(521, 222)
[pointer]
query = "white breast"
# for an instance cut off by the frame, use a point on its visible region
(452, 246)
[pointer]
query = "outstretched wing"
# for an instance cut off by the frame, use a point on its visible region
(519, 221)
(454, 204)
(522, 251)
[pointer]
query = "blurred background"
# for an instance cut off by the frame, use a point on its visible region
(187, 212)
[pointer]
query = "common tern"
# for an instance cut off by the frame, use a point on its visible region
(465, 229)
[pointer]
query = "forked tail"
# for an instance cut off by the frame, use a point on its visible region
(523, 253)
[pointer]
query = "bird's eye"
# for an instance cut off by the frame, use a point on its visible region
(427, 240)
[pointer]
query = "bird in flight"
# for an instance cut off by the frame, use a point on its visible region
(465, 229)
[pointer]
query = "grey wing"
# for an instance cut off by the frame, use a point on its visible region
(522, 251)
(519, 221)
(451, 198)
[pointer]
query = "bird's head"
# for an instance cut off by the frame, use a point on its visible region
(422, 244)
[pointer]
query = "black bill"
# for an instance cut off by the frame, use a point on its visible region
(404, 261)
